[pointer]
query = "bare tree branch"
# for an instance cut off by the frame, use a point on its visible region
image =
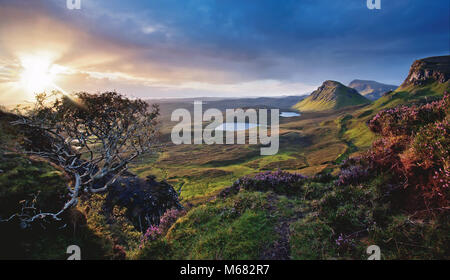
(93, 137)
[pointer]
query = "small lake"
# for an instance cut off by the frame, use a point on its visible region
(236, 126)
(289, 114)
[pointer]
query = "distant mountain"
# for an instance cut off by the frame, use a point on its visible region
(167, 106)
(331, 95)
(371, 89)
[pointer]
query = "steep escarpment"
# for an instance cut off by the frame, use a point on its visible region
(431, 69)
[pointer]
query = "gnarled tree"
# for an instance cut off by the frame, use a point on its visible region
(93, 137)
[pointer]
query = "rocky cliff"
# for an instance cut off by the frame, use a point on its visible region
(431, 69)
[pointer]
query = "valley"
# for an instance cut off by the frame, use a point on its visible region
(309, 144)
(188, 131)
(336, 185)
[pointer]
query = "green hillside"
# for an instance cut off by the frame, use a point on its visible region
(336, 217)
(331, 95)
(428, 79)
(307, 202)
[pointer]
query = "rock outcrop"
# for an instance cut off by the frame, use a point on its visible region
(145, 200)
(431, 69)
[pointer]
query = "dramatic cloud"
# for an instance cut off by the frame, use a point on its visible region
(173, 48)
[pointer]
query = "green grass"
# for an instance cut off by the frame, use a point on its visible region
(333, 96)
(359, 135)
(311, 239)
(309, 105)
(238, 228)
(245, 225)
(308, 144)
(410, 94)
(22, 178)
(357, 131)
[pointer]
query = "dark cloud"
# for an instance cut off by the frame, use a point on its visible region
(226, 41)
(254, 36)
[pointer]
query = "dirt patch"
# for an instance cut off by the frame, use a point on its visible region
(280, 249)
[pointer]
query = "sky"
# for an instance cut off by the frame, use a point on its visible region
(219, 48)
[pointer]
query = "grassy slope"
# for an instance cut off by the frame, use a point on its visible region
(259, 225)
(208, 231)
(243, 226)
(309, 144)
(331, 98)
(357, 131)
(22, 177)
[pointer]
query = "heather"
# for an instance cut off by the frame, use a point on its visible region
(396, 194)
(237, 227)
(316, 203)
(414, 148)
(165, 222)
(280, 182)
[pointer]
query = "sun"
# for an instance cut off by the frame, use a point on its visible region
(37, 75)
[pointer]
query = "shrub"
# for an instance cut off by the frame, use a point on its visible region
(311, 239)
(166, 221)
(345, 243)
(407, 238)
(169, 218)
(404, 120)
(397, 193)
(280, 182)
(238, 227)
(428, 160)
(119, 252)
(352, 175)
(347, 209)
(414, 148)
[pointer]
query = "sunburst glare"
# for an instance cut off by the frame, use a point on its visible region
(38, 74)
